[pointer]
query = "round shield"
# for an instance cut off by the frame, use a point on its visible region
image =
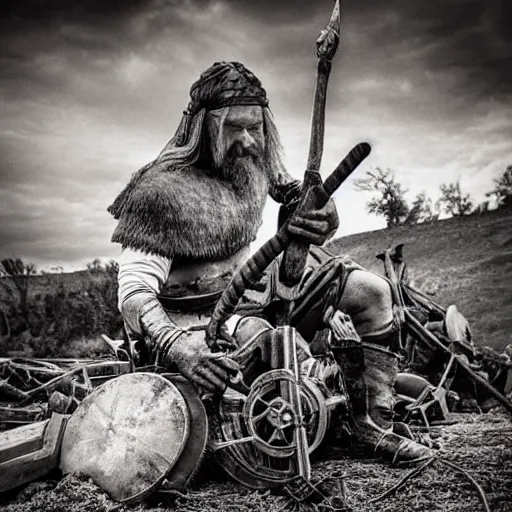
(127, 435)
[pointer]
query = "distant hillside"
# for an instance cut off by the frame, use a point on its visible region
(465, 261)
(41, 284)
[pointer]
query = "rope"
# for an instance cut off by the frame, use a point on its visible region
(403, 480)
(471, 479)
(425, 465)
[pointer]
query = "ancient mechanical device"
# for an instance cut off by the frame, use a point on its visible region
(269, 424)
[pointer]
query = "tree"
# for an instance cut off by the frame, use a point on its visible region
(112, 267)
(390, 203)
(19, 273)
(453, 201)
(503, 188)
(95, 265)
(421, 210)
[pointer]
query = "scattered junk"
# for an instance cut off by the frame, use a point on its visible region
(37, 398)
(30, 451)
(130, 429)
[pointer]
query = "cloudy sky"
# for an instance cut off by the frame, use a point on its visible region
(91, 90)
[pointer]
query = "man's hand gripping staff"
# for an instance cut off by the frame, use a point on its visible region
(254, 267)
(314, 216)
(294, 259)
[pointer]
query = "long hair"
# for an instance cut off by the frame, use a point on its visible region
(277, 173)
(197, 151)
(195, 148)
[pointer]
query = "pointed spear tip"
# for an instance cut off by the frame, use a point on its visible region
(335, 20)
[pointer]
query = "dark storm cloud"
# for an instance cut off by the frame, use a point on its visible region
(474, 41)
(468, 40)
(42, 10)
(92, 90)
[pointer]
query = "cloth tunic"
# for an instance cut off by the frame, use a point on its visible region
(155, 276)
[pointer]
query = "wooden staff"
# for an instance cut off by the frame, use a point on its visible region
(294, 259)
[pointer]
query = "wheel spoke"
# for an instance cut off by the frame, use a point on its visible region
(277, 435)
(257, 419)
(263, 402)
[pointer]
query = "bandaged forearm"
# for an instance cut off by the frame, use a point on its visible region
(140, 278)
(144, 314)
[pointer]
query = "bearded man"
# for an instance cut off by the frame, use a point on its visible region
(185, 224)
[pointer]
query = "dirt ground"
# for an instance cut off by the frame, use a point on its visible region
(480, 444)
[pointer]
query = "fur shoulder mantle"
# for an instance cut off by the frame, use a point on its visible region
(184, 213)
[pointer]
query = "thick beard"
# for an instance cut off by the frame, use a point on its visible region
(241, 170)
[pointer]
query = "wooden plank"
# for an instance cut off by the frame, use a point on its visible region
(22, 440)
(108, 368)
(25, 468)
(23, 414)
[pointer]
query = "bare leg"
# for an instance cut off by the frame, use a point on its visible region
(367, 299)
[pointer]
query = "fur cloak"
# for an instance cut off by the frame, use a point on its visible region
(185, 213)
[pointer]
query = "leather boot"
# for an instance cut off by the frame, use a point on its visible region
(369, 385)
(381, 368)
